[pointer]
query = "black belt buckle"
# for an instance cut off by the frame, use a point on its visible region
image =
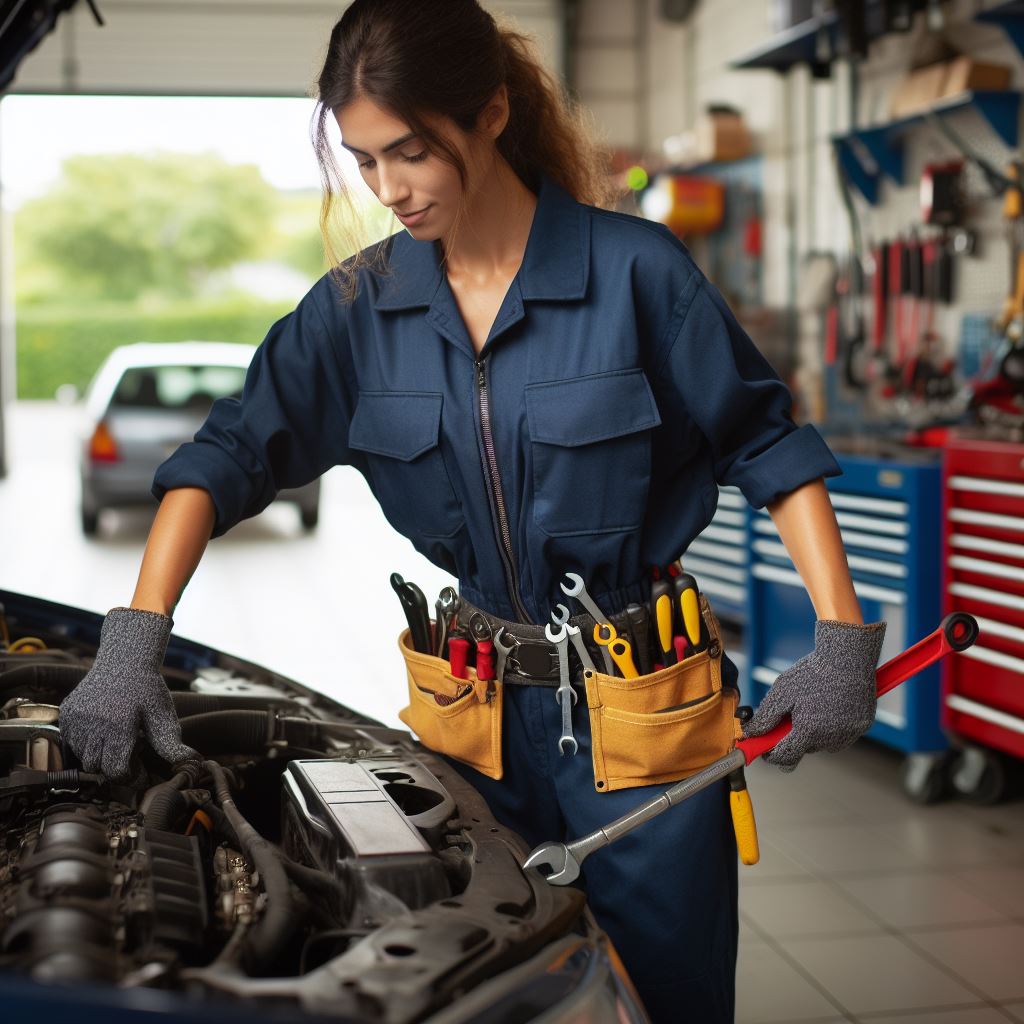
(534, 658)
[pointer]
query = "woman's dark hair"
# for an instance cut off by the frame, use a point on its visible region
(449, 57)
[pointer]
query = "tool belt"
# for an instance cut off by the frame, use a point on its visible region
(657, 727)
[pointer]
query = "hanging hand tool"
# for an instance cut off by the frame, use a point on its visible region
(446, 606)
(560, 616)
(560, 862)
(414, 604)
(575, 588)
(661, 612)
(639, 623)
(567, 742)
(458, 650)
(618, 647)
(685, 587)
(503, 651)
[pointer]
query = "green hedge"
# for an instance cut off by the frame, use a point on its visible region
(60, 346)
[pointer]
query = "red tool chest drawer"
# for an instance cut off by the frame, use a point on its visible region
(983, 574)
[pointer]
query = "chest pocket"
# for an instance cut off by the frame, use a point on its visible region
(591, 445)
(400, 433)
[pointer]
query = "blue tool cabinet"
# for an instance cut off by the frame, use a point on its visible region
(889, 514)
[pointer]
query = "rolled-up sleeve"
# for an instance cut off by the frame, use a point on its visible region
(290, 424)
(717, 375)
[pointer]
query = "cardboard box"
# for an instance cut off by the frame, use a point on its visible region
(918, 90)
(967, 73)
(722, 136)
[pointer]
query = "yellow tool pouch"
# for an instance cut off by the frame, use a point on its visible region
(636, 743)
(467, 729)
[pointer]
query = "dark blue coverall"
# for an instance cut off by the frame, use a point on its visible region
(617, 391)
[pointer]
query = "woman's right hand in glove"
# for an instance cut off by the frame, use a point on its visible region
(100, 718)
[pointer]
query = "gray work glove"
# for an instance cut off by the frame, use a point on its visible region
(100, 718)
(830, 693)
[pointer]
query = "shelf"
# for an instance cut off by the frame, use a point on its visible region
(1009, 17)
(794, 46)
(866, 154)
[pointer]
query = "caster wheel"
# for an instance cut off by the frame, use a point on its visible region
(925, 777)
(90, 521)
(979, 776)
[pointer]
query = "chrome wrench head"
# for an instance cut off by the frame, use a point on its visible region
(565, 868)
(560, 616)
(575, 585)
(503, 650)
(556, 638)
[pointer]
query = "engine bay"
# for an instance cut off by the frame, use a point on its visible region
(314, 858)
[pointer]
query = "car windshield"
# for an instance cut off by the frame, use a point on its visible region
(177, 387)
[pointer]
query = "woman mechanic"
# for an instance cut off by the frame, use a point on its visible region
(531, 384)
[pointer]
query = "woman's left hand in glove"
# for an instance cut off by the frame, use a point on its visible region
(830, 694)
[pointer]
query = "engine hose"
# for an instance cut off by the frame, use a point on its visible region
(243, 732)
(164, 806)
(187, 702)
(266, 939)
(221, 732)
(61, 678)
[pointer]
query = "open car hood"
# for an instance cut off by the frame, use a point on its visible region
(321, 863)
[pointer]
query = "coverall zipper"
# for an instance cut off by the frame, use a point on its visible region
(498, 517)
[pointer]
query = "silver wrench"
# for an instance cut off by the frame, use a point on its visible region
(564, 859)
(561, 618)
(503, 652)
(575, 588)
(567, 742)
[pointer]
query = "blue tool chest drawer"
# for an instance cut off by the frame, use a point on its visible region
(889, 515)
(718, 557)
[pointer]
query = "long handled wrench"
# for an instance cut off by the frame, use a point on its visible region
(560, 617)
(562, 861)
(576, 588)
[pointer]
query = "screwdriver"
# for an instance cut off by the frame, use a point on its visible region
(661, 613)
(685, 587)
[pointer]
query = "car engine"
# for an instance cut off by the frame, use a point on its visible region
(314, 858)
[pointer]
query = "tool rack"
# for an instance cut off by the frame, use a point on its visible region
(983, 574)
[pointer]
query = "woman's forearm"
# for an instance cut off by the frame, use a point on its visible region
(808, 528)
(177, 540)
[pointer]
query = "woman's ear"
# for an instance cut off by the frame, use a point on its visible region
(494, 116)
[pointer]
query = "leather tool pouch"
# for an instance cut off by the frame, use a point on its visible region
(469, 727)
(636, 743)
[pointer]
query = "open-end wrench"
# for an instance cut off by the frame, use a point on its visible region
(446, 606)
(567, 742)
(503, 650)
(576, 588)
(956, 632)
(560, 616)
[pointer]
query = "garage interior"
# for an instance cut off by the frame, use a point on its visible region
(848, 175)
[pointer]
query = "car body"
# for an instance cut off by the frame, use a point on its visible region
(144, 401)
(354, 877)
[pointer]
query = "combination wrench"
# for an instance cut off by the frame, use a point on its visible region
(567, 742)
(561, 618)
(576, 588)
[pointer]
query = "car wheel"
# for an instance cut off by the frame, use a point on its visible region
(90, 521)
(310, 516)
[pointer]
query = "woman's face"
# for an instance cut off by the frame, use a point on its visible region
(405, 177)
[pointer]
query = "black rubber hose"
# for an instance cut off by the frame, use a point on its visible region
(187, 702)
(266, 940)
(166, 806)
(60, 678)
(222, 732)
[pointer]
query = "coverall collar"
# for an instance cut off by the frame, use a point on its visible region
(556, 262)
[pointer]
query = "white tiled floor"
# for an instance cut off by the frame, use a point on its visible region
(864, 907)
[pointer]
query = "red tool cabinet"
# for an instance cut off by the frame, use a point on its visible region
(983, 574)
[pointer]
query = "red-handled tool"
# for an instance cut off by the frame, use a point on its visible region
(560, 862)
(458, 654)
(957, 632)
(485, 659)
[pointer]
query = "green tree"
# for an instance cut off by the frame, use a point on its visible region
(125, 226)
